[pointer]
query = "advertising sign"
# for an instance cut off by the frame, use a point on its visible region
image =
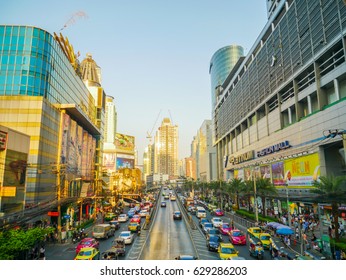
(124, 143)
(278, 174)
(8, 191)
(125, 161)
(302, 171)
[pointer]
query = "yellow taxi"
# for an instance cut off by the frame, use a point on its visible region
(266, 240)
(133, 227)
(226, 251)
(88, 253)
(254, 231)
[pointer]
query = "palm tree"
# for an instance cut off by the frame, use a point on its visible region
(235, 187)
(265, 188)
(247, 189)
(333, 190)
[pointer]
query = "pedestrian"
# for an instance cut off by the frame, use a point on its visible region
(288, 242)
(42, 255)
(313, 237)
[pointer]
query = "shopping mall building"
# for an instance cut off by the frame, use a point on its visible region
(42, 95)
(281, 113)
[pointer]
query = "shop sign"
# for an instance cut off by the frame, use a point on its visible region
(273, 149)
(8, 191)
(241, 158)
(53, 214)
(3, 140)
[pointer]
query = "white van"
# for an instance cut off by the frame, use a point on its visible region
(200, 212)
(103, 231)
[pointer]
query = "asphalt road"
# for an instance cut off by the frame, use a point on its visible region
(167, 238)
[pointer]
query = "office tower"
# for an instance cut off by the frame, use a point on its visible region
(166, 149)
(221, 64)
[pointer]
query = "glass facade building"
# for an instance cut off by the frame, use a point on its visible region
(38, 87)
(221, 65)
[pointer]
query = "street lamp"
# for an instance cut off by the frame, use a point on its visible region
(288, 208)
(255, 194)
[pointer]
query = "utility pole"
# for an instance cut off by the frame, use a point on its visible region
(288, 208)
(59, 202)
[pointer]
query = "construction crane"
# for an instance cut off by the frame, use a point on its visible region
(149, 135)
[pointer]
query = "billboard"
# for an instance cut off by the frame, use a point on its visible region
(302, 171)
(125, 161)
(109, 161)
(124, 143)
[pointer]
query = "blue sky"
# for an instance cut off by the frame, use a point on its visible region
(154, 54)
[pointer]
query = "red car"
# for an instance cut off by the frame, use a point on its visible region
(225, 228)
(237, 237)
(135, 219)
(87, 242)
(218, 212)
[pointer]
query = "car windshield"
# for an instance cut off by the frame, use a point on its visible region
(86, 242)
(217, 220)
(265, 237)
(237, 233)
(227, 250)
(214, 238)
(256, 230)
(208, 225)
(85, 253)
(213, 231)
(125, 234)
(225, 226)
(177, 213)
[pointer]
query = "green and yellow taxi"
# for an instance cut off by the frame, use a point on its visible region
(254, 231)
(88, 253)
(226, 251)
(266, 240)
(110, 216)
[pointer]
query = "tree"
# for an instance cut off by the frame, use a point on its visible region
(248, 190)
(333, 190)
(265, 188)
(15, 243)
(236, 186)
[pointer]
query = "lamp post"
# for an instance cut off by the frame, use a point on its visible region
(255, 194)
(288, 208)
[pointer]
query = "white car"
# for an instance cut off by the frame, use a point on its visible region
(217, 222)
(128, 236)
(123, 218)
(143, 213)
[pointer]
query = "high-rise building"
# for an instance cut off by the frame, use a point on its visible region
(204, 154)
(42, 95)
(166, 149)
(190, 168)
(109, 149)
(111, 120)
(91, 75)
(148, 160)
(282, 113)
(221, 64)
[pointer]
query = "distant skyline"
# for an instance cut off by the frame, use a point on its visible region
(154, 55)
